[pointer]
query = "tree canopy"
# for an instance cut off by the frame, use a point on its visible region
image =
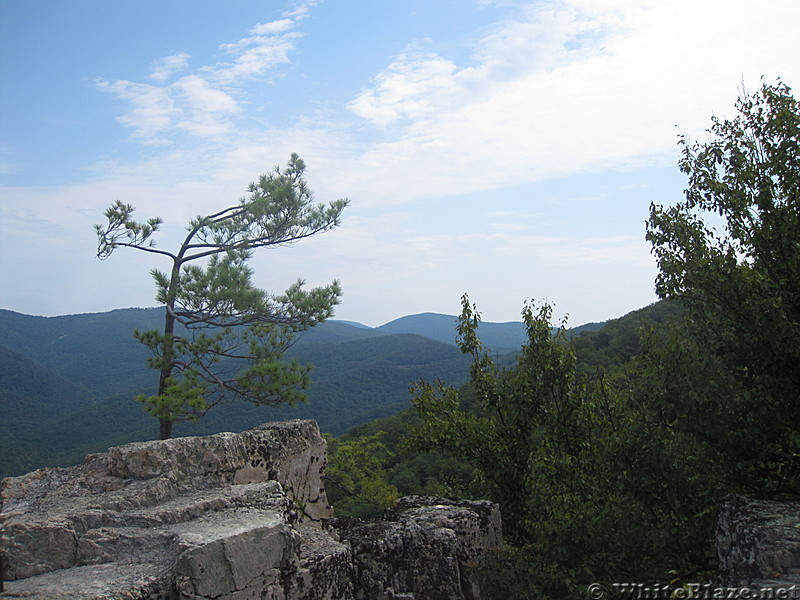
(223, 337)
(615, 472)
(730, 251)
(585, 477)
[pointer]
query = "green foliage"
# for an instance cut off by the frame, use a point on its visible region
(45, 386)
(415, 472)
(531, 406)
(729, 252)
(619, 340)
(356, 468)
(236, 333)
(585, 477)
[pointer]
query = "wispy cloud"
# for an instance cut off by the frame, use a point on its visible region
(204, 103)
(255, 55)
(418, 83)
(163, 68)
(411, 87)
(152, 107)
(567, 87)
(206, 110)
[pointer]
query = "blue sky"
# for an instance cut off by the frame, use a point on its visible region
(506, 149)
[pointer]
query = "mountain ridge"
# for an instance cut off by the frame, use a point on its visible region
(67, 382)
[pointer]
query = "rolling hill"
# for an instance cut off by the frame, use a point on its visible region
(67, 383)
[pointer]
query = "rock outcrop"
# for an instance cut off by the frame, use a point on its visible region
(758, 543)
(228, 517)
(424, 543)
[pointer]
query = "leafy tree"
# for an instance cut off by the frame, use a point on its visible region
(223, 337)
(356, 468)
(729, 251)
(530, 406)
(589, 485)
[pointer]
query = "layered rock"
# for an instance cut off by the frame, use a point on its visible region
(229, 516)
(758, 543)
(424, 544)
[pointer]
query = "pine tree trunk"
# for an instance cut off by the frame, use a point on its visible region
(165, 426)
(165, 429)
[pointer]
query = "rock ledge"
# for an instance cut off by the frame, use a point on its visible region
(228, 517)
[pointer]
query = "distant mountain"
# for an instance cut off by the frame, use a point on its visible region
(497, 337)
(96, 351)
(67, 383)
(432, 325)
(351, 323)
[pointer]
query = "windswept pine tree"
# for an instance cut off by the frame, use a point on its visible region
(232, 335)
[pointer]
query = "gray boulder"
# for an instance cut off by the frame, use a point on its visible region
(227, 517)
(425, 547)
(758, 543)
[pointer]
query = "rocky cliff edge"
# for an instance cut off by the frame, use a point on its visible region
(227, 517)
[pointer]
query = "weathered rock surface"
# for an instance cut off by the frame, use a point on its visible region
(228, 517)
(758, 543)
(424, 547)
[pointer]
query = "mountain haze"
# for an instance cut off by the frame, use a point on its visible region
(68, 383)
(497, 337)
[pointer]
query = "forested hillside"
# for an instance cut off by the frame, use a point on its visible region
(610, 452)
(67, 383)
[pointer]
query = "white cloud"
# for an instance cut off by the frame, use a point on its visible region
(568, 87)
(268, 47)
(203, 103)
(255, 55)
(301, 9)
(163, 68)
(417, 83)
(152, 107)
(408, 88)
(190, 104)
(273, 27)
(206, 108)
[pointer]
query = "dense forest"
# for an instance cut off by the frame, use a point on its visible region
(609, 452)
(67, 383)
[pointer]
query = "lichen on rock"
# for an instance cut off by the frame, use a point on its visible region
(227, 517)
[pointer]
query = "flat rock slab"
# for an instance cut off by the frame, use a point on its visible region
(233, 552)
(227, 517)
(109, 581)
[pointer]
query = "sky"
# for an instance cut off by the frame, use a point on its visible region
(505, 149)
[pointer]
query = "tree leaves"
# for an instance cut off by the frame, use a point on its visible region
(740, 279)
(584, 476)
(235, 333)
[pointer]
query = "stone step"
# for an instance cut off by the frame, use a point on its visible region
(100, 534)
(108, 581)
